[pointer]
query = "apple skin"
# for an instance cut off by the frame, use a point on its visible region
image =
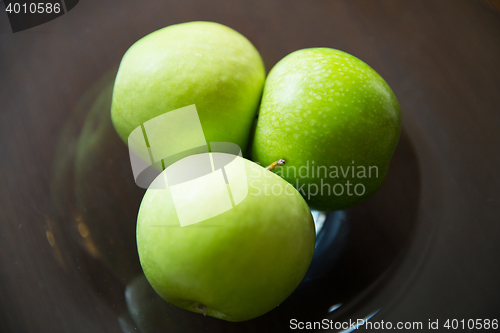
(201, 63)
(327, 108)
(239, 264)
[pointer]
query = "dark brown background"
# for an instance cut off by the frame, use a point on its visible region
(442, 59)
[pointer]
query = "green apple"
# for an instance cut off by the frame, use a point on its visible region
(334, 120)
(201, 63)
(236, 265)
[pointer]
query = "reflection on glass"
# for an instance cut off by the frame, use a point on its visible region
(92, 233)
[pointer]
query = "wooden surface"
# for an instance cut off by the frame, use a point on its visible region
(440, 57)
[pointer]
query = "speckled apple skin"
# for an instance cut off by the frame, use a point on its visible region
(327, 107)
(239, 264)
(201, 63)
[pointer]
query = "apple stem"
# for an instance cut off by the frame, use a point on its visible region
(202, 308)
(276, 164)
